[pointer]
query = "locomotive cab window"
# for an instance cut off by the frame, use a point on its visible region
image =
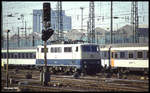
(94, 48)
(86, 48)
(90, 48)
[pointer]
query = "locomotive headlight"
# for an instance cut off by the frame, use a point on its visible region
(75, 69)
(84, 62)
(85, 66)
(98, 62)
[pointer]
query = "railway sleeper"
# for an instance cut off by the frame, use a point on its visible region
(62, 70)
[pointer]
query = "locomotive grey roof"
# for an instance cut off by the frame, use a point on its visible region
(125, 45)
(20, 48)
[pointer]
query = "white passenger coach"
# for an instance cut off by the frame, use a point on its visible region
(125, 57)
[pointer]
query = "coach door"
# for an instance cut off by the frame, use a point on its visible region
(75, 52)
(109, 56)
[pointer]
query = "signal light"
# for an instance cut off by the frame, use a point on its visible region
(46, 12)
(46, 34)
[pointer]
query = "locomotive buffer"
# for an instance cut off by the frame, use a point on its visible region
(47, 32)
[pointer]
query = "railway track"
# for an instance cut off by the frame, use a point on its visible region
(87, 83)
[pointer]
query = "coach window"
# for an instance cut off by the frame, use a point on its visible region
(122, 54)
(37, 49)
(105, 54)
(140, 54)
(15, 55)
(5, 55)
(30, 55)
(27, 55)
(130, 54)
(42, 50)
(52, 50)
(147, 54)
(2, 55)
(34, 55)
(23, 55)
(55, 50)
(112, 54)
(67, 49)
(59, 49)
(10, 55)
(116, 55)
(18, 55)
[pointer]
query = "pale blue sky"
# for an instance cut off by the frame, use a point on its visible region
(72, 9)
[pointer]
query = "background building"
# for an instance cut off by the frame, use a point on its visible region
(122, 35)
(37, 21)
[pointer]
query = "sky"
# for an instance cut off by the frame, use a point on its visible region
(120, 9)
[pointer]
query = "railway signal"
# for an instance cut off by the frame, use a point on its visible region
(46, 12)
(46, 34)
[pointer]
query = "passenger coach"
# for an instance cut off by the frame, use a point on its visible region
(19, 58)
(126, 57)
